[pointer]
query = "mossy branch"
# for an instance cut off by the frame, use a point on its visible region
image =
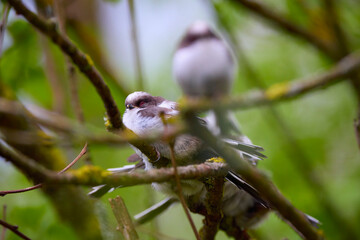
(283, 91)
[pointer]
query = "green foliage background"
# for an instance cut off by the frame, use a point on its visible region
(322, 123)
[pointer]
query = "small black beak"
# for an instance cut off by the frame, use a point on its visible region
(130, 106)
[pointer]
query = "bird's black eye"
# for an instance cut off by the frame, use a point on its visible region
(129, 106)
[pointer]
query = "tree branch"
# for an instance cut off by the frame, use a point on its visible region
(180, 192)
(81, 60)
(83, 151)
(125, 224)
(283, 91)
(14, 229)
(214, 193)
(3, 231)
(286, 25)
(33, 169)
(91, 176)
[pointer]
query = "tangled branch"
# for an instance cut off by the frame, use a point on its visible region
(81, 60)
(14, 229)
(286, 25)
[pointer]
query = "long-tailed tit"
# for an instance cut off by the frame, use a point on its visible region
(203, 65)
(204, 68)
(143, 116)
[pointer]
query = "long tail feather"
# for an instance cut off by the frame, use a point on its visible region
(241, 184)
(248, 149)
(154, 211)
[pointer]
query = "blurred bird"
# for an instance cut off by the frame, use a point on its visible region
(204, 67)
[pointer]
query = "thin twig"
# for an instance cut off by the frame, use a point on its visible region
(81, 60)
(3, 231)
(179, 192)
(83, 151)
(71, 71)
(3, 24)
(57, 89)
(286, 25)
(136, 47)
(334, 23)
(14, 229)
(125, 224)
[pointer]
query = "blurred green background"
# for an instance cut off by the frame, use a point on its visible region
(321, 122)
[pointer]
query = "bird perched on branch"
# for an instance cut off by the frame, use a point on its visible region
(145, 116)
(204, 67)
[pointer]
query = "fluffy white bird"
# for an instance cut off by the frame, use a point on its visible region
(142, 116)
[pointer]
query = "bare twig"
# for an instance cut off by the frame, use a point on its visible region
(82, 61)
(357, 130)
(71, 71)
(125, 224)
(51, 71)
(3, 24)
(3, 231)
(136, 47)
(334, 23)
(179, 192)
(286, 25)
(14, 229)
(83, 151)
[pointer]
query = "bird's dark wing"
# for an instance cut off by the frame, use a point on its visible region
(241, 184)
